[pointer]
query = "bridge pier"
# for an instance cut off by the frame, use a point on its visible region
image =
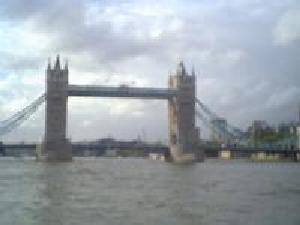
(225, 154)
(56, 147)
(183, 134)
(2, 149)
(297, 157)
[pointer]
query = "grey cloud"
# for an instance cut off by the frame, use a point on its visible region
(288, 27)
(209, 34)
(14, 62)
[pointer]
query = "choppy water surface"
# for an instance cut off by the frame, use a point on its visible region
(138, 191)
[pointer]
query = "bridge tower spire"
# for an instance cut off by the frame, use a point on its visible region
(56, 147)
(49, 64)
(57, 63)
(183, 134)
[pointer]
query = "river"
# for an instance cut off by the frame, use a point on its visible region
(139, 191)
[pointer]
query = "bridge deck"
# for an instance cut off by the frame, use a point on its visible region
(121, 91)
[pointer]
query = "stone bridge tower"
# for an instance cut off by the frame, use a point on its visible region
(56, 147)
(183, 134)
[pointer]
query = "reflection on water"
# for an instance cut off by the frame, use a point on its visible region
(138, 191)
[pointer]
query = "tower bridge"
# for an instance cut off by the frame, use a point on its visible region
(180, 94)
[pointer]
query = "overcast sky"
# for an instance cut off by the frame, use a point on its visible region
(245, 52)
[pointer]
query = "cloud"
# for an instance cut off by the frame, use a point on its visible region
(245, 54)
(288, 28)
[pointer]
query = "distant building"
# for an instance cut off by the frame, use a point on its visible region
(288, 134)
(261, 132)
(219, 131)
(298, 137)
(284, 136)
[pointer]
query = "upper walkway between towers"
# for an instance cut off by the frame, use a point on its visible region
(120, 91)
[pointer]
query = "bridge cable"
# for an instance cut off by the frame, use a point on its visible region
(18, 118)
(232, 131)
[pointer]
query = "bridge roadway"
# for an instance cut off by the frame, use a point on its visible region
(120, 91)
(266, 150)
(19, 146)
(95, 146)
(152, 147)
(210, 146)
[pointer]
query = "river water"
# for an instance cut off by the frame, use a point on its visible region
(139, 191)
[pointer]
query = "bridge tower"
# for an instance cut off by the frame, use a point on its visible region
(183, 134)
(56, 147)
